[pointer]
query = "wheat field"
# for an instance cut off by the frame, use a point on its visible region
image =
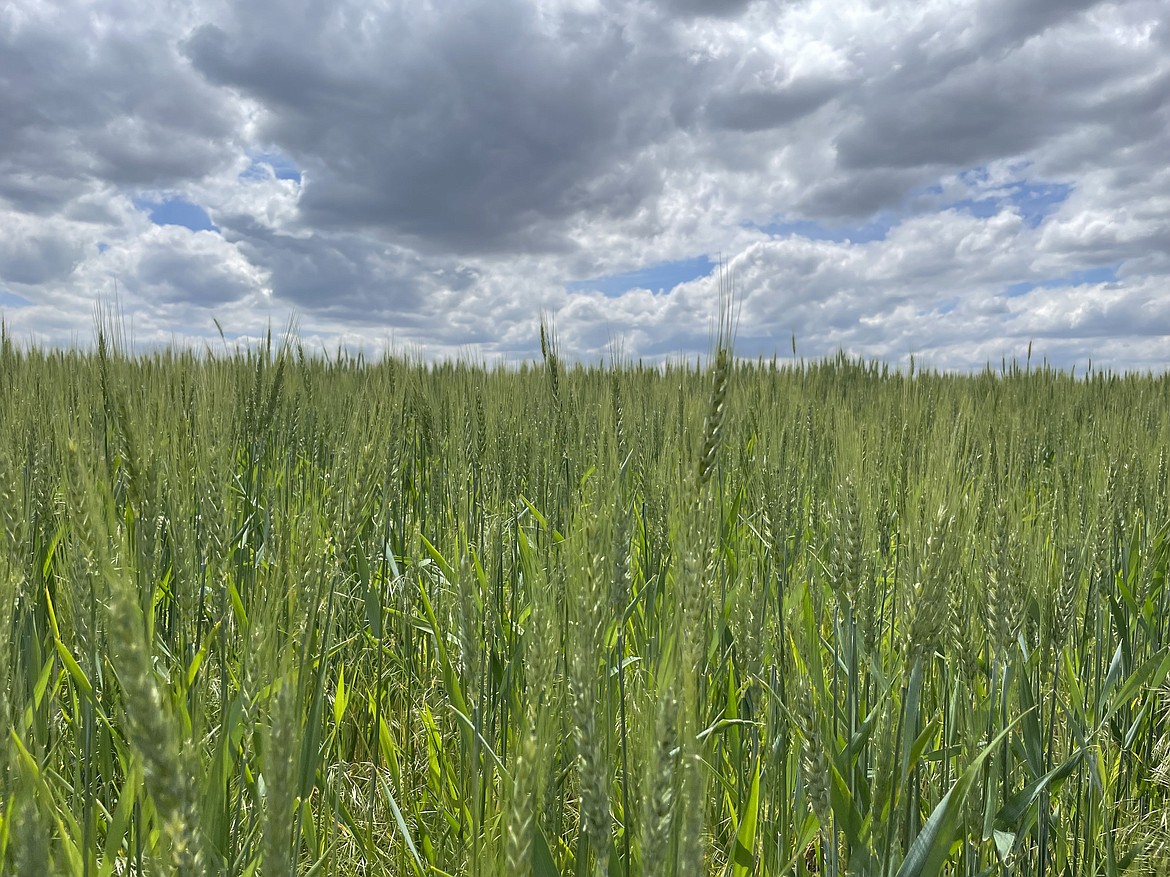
(268, 613)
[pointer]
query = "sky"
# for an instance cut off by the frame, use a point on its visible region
(955, 181)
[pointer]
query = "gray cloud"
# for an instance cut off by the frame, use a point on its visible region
(715, 8)
(1004, 24)
(340, 275)
(179, 272)
(34, 259)
(98, 97)
(477, 129)
(933, 112)
(758, 109)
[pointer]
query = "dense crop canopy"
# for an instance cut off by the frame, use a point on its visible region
(266, 614)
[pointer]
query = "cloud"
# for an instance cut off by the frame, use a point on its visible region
(477, 127)
(31, 253)
(947, 178)
(174, 264)
(716, 8)
(100, 95)
(759, 109)
(987, 108)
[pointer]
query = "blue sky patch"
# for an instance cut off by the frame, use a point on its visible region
(657, 278)
(1034, 201)
(1037, 201)
(1101, 274)
(281, 167)
(983, 208)
(177, 211)
(12, 300)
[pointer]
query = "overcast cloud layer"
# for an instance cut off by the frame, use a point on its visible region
(953, 180)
